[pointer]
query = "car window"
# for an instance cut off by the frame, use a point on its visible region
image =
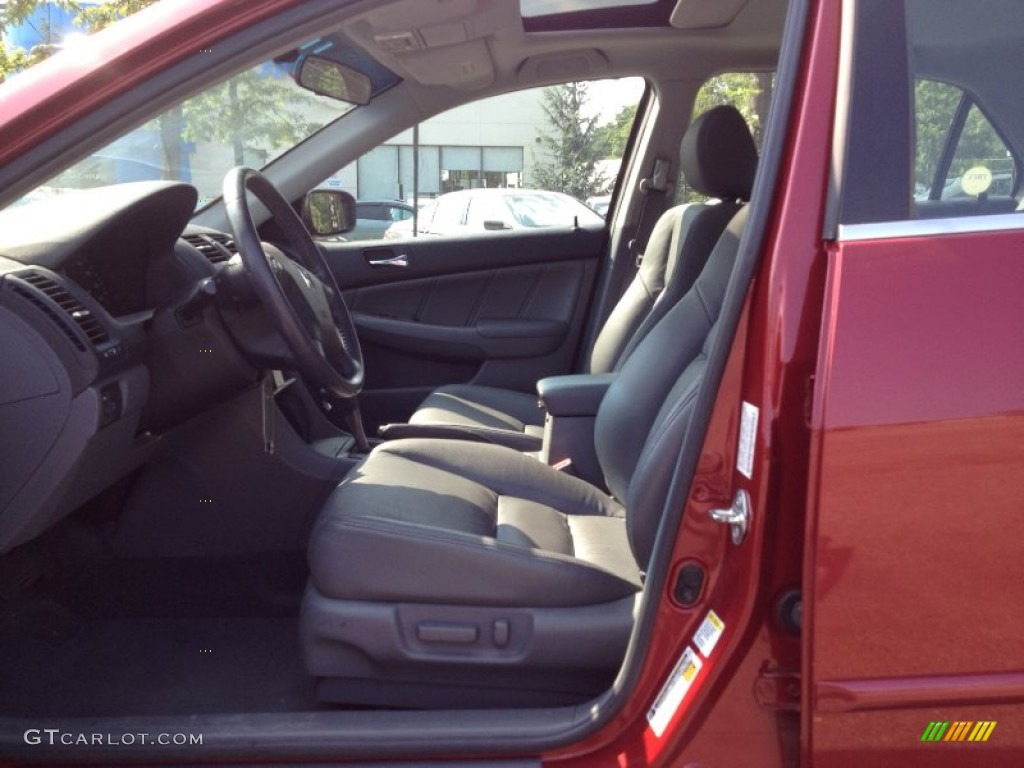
(249, 119)
(399, 214)
(486, 208)
(449, 214)
(750, 93)
(568, 138)
(934, 126)
(980, 163)
(368, 211)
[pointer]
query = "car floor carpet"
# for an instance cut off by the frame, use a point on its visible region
(54, 664)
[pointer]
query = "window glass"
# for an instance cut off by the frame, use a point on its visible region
(487, 208)
(980, 167)
(449, 213)
(935, 127)
(750, 93)
(568, 139)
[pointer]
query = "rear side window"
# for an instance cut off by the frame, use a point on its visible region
(449, 213)
(934, 125)
(750, 93)
(959, 154)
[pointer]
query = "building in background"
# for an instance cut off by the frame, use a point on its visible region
(491, 143)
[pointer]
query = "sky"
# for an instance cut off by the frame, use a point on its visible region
(607, 97)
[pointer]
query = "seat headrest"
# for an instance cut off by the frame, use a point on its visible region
(717, 156)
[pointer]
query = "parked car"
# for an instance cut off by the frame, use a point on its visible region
(774, 518)
(374, 217)
(600, 203)
(496, 210)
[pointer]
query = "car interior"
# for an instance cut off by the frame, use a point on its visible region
(256, 473)
(196, 473)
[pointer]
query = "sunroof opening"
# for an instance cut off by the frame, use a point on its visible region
(536, 8)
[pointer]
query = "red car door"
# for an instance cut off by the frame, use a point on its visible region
(914, 577)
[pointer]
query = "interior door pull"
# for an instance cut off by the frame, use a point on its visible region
(401, 261)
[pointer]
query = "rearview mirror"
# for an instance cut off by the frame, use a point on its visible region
(329, 212)
(329, 78)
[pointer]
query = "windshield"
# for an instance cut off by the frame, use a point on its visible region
(248, 120)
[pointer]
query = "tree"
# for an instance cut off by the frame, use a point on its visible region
(573, 143)
(617, 132)
(255, 110)
(749, 92)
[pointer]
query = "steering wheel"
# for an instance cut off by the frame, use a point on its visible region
(297, 289)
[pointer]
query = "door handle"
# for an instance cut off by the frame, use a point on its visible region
(737, 517)
(400, 261)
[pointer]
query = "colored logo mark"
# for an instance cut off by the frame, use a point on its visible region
(961, 730)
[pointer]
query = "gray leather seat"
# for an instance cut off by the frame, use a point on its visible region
(446, 572)
(718, 159)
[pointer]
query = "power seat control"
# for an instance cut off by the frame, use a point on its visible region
(502, 632)
(444, 632)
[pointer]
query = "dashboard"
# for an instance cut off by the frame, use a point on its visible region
(115, 278)
(100, 357)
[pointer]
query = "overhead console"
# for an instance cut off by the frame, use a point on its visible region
(437, 42)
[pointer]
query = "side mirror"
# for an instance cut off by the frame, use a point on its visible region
(494, 225)
(329, 212)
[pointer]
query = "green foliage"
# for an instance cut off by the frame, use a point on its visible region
(936, 105)
(573, 143)
(96, 17)
(247, 111)
(88, 17)
(14, 59)
(749, 92)
(616, 133)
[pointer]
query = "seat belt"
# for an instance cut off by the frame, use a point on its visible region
(656, 182)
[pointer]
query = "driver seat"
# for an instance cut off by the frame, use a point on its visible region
(450, 573)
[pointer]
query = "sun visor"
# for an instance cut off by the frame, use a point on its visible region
(705, 14)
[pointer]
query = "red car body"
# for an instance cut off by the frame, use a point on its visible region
(866, 367)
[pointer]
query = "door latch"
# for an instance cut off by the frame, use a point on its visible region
(737, 517)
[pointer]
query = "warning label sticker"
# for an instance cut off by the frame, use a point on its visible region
(674, 690)
(748, 432)
(708, 633)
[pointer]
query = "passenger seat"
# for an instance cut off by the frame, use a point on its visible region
(718, 159)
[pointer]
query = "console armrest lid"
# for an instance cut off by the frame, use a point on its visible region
(575, 395)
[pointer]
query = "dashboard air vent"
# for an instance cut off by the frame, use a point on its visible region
(215, 246)
(69, 306)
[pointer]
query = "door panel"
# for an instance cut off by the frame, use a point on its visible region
(917, 574)
(501, 309)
